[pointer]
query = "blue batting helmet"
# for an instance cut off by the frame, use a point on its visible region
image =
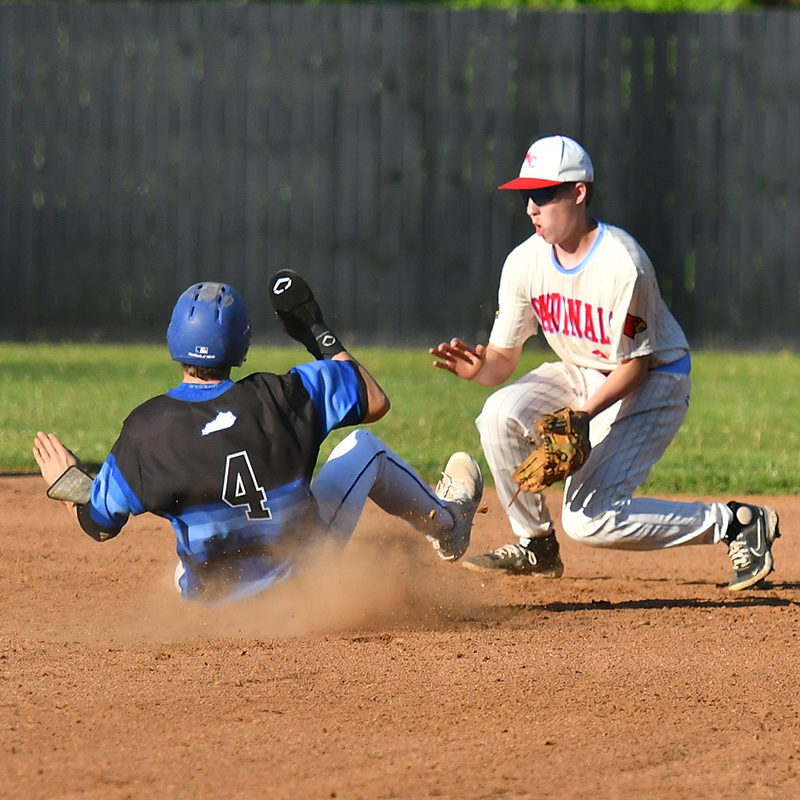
(209, 327)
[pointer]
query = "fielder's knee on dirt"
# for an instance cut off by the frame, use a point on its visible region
(582, 528)
(645, 524)
(613, 527)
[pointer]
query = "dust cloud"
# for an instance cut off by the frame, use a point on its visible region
(383, 578)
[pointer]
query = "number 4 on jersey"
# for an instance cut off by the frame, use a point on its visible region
(241, 488)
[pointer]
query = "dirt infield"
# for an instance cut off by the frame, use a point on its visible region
(392, 674)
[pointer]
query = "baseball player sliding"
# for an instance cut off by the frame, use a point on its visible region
(230, 464)
(624, 370)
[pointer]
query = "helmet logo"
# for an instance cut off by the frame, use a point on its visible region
(201, 351)
(282, 284)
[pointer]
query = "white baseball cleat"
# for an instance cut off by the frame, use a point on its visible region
(461, 488)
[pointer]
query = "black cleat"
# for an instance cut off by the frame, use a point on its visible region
(541, 557)
(750, 537)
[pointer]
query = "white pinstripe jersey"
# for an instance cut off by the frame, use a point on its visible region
(597, 314)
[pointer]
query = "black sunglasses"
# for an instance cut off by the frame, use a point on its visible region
(540, 197)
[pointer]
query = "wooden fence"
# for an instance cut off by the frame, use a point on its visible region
(147, 146)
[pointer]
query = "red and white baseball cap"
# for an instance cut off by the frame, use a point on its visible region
(553, 160)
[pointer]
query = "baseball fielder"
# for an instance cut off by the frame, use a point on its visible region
(230, 464)
(624, 361)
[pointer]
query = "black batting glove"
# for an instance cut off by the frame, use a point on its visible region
(301, 316)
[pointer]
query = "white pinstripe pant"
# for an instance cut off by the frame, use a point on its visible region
(627, 440)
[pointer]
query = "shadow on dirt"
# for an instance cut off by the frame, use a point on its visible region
(662, 603)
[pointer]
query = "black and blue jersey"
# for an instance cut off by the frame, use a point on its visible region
(230, 466)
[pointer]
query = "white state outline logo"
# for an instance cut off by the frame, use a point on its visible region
(223, 421)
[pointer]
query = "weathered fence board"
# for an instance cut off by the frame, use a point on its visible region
(146, 146)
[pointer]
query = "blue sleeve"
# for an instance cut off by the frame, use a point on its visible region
(337, 391)
(112, 501)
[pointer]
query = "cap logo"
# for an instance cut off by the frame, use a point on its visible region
(201, 350)
(550, 161)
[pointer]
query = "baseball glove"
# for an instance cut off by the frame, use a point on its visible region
(563, 450)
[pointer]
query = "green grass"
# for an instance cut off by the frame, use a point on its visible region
(742, 433)
(652, 6)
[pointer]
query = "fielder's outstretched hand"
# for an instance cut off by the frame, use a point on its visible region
(459, 358)
(52, 457)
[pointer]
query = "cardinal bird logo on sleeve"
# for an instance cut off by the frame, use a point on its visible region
(634, 325)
